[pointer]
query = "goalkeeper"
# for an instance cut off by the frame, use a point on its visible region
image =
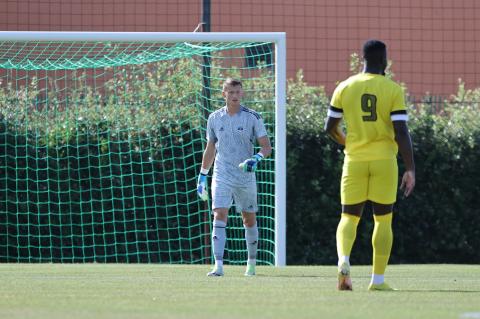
(231, 133)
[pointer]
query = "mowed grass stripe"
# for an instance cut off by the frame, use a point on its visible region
(184, 291)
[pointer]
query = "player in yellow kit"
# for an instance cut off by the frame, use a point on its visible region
(375, 115)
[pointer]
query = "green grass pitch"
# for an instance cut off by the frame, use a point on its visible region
(180, 291)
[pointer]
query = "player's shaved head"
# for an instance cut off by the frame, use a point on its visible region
(375, 52)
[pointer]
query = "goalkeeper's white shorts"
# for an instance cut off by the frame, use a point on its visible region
(244, 197)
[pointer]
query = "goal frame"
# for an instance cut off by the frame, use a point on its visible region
(279, 40)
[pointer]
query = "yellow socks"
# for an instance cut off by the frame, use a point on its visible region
(346, 234)
(382, 242)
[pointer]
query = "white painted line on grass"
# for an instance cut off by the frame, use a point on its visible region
(470, 315)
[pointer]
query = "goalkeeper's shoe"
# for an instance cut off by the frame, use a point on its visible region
(250, 271)
(380, 287)
(344, 280)
(216, 272)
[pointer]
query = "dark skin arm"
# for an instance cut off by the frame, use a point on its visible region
(402, 137)
(333, 129)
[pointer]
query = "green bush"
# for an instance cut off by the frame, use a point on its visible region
(87, 137)
(439, 223)
(80, 157)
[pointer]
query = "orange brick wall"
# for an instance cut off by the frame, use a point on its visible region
(99, 15)
(432, 42)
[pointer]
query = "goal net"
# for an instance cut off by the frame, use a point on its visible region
(101, 141)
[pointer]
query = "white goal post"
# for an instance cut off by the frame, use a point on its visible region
(278, 38)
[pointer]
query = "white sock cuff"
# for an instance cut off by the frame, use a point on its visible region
(219, 223)
(253, 227)
(377, 279)
(344, 259)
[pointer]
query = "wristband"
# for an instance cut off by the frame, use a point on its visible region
(259, 154)
(204, 171)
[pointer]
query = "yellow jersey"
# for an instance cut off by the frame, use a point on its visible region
(368, 104)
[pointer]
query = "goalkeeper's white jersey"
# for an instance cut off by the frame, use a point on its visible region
(234, 137)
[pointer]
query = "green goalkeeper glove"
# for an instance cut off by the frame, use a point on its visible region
(250, 165)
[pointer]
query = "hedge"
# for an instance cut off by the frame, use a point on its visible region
(437, 224)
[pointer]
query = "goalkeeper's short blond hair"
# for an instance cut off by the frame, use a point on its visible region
(231, 82)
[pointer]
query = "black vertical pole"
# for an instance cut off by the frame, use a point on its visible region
(206, 15)
(206, 94)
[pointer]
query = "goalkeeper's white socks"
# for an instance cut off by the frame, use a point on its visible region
(219, 237)
(251, 236)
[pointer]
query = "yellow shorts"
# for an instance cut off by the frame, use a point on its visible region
(376, 181)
